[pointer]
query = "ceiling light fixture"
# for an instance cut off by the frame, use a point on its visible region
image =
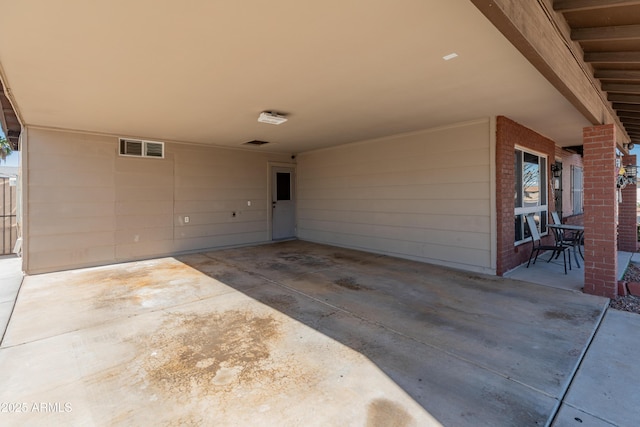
(450, 56)
(271, 118)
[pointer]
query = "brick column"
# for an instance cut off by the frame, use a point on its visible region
(600, 200)
(627, 227)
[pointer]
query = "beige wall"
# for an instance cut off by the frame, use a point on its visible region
(86, 205)
(424, 196)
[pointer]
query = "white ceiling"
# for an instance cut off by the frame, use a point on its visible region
(202, 70)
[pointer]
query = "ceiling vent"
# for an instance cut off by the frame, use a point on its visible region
(140, 148)
(256, 142)
(271, 118)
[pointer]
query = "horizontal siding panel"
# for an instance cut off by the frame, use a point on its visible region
(65, 162)
(61, 226)
(141, 250)
(423, 196)
(46, 143)
(464, 258)
(143, 235)
(220, 183)
(64, 259)
(145, 207)
(199, 194)
(151, 194)
(64, 179)
(60, 212)
(442, 175)
(133, 165)
(76, 194)
(143, 221)
(472, 240)
(225, 217)
(466, 191)
(189, 231)
(454, 140)
(416, 206)
(143, 180)
(214, 242)
(449, 223)
(187, 207)
(70, 241)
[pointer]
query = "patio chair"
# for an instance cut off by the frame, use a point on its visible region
(537, 245)
(569, 237)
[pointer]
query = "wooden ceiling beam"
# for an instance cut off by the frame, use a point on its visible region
(627, 99)
(578, 5)
(628, 114)
(613, 57)
(622, 88)
(631, 122)
(626, 107)
(617, 74)
(623, 32)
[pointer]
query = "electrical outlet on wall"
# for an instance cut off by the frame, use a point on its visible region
(186, 220)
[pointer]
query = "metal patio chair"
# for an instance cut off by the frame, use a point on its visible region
(571, 238)
(555, 249)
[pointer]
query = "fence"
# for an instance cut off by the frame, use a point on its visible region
(8, 217)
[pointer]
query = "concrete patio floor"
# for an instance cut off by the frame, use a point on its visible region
(552, 273)
(292, 334)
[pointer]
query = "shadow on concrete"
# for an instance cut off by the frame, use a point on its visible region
(471, 349)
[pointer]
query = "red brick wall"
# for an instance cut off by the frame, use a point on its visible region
(627, 227)
(508, 135)
(600, 248)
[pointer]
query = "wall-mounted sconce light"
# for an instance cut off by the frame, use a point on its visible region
(556, 169)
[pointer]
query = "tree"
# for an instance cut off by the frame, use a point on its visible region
(5, 148)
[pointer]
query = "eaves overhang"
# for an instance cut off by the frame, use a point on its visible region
(557, 38)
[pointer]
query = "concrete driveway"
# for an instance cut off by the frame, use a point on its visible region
(290, 334)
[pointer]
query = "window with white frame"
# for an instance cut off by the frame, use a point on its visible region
(530, 192)
(577, 190)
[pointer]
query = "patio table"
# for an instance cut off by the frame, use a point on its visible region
(576, 240)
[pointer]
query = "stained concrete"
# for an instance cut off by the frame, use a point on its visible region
(291, 334)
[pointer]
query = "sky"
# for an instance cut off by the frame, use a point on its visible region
(12, 159)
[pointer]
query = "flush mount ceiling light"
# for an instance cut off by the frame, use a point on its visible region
(450, 56)
(271, 118)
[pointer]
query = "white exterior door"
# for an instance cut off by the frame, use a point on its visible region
(283, 203)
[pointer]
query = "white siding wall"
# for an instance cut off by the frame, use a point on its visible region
(424, 196)
(86, 205)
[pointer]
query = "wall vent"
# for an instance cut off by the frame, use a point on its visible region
(140, 148)
(256, 142)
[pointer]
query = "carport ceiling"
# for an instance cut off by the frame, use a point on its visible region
(609, 34)
(202, 71)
